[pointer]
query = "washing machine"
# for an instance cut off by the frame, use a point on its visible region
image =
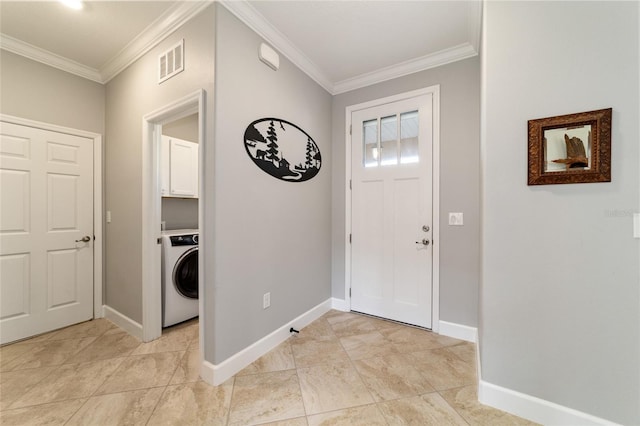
(179, 276)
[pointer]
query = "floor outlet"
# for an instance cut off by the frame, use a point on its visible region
(266, 300)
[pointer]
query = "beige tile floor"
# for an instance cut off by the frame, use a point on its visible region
(343, 369)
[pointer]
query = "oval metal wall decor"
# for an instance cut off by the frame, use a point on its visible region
(282, 149)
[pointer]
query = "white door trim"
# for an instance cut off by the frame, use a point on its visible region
(151, 206)
(435, 92)
(97, 197)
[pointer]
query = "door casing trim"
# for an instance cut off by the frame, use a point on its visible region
(98, 195)
(435, 92)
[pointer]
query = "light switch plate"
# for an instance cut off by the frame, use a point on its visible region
(456, 219)
(266, 300)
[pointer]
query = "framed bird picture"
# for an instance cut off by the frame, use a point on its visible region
(573, 148)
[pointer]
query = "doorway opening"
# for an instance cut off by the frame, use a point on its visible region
(179, 179)
(185, 113)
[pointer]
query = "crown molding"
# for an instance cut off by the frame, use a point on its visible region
(157, 31)
(183, 11)
(474, 24)
(35, 53)
(411, 66)
(254, 20)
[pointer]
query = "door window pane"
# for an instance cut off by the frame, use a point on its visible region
(371, 150)
(409, 138)
(389, 140)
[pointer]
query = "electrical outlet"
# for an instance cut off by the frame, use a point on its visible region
(456, 219)
(266, 300)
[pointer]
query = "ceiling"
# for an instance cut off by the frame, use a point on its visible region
(342, 45)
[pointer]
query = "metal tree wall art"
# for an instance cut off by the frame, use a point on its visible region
(282, 149)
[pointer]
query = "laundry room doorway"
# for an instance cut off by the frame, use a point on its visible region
(172, 125)
(179, 193)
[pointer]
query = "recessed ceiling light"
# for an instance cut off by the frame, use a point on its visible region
(73, 4)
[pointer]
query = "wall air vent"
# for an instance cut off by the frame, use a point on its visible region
(171, 62)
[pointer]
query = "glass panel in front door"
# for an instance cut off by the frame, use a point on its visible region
(409, 138)
(370, 143)
(389, 140)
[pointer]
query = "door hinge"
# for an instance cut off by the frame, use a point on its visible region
(350, 184)
(159, 241)
(350, 128)
(349, 238)
(349, 291)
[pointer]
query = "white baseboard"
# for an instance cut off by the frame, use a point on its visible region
(123, 321)
(534, 409)
(339, 305)
(216, 374)
(458, 331)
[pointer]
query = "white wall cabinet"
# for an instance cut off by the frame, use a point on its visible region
(179, 160)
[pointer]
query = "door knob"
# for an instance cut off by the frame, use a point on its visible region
(84, 239)
(424, 242)
(425, 228)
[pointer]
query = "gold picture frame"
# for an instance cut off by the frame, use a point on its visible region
(573, 148)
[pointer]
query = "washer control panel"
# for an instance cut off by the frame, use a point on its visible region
(184, 240)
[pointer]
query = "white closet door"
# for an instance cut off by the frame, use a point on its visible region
(46, 231)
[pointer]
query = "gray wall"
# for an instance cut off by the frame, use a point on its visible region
(129, 96)
(185, 128)
(32, 90)
(560, 315)
(181, 213)
(270, 235)
(459, 181)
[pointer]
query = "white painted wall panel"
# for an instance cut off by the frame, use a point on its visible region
(560, 297)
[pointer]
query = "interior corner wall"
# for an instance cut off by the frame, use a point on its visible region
(560, 302)
(29, 89)
(131, 95)
(459, 181)
(271, 235)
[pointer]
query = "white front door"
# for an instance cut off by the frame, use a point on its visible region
(391, 205)
(46, 231)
